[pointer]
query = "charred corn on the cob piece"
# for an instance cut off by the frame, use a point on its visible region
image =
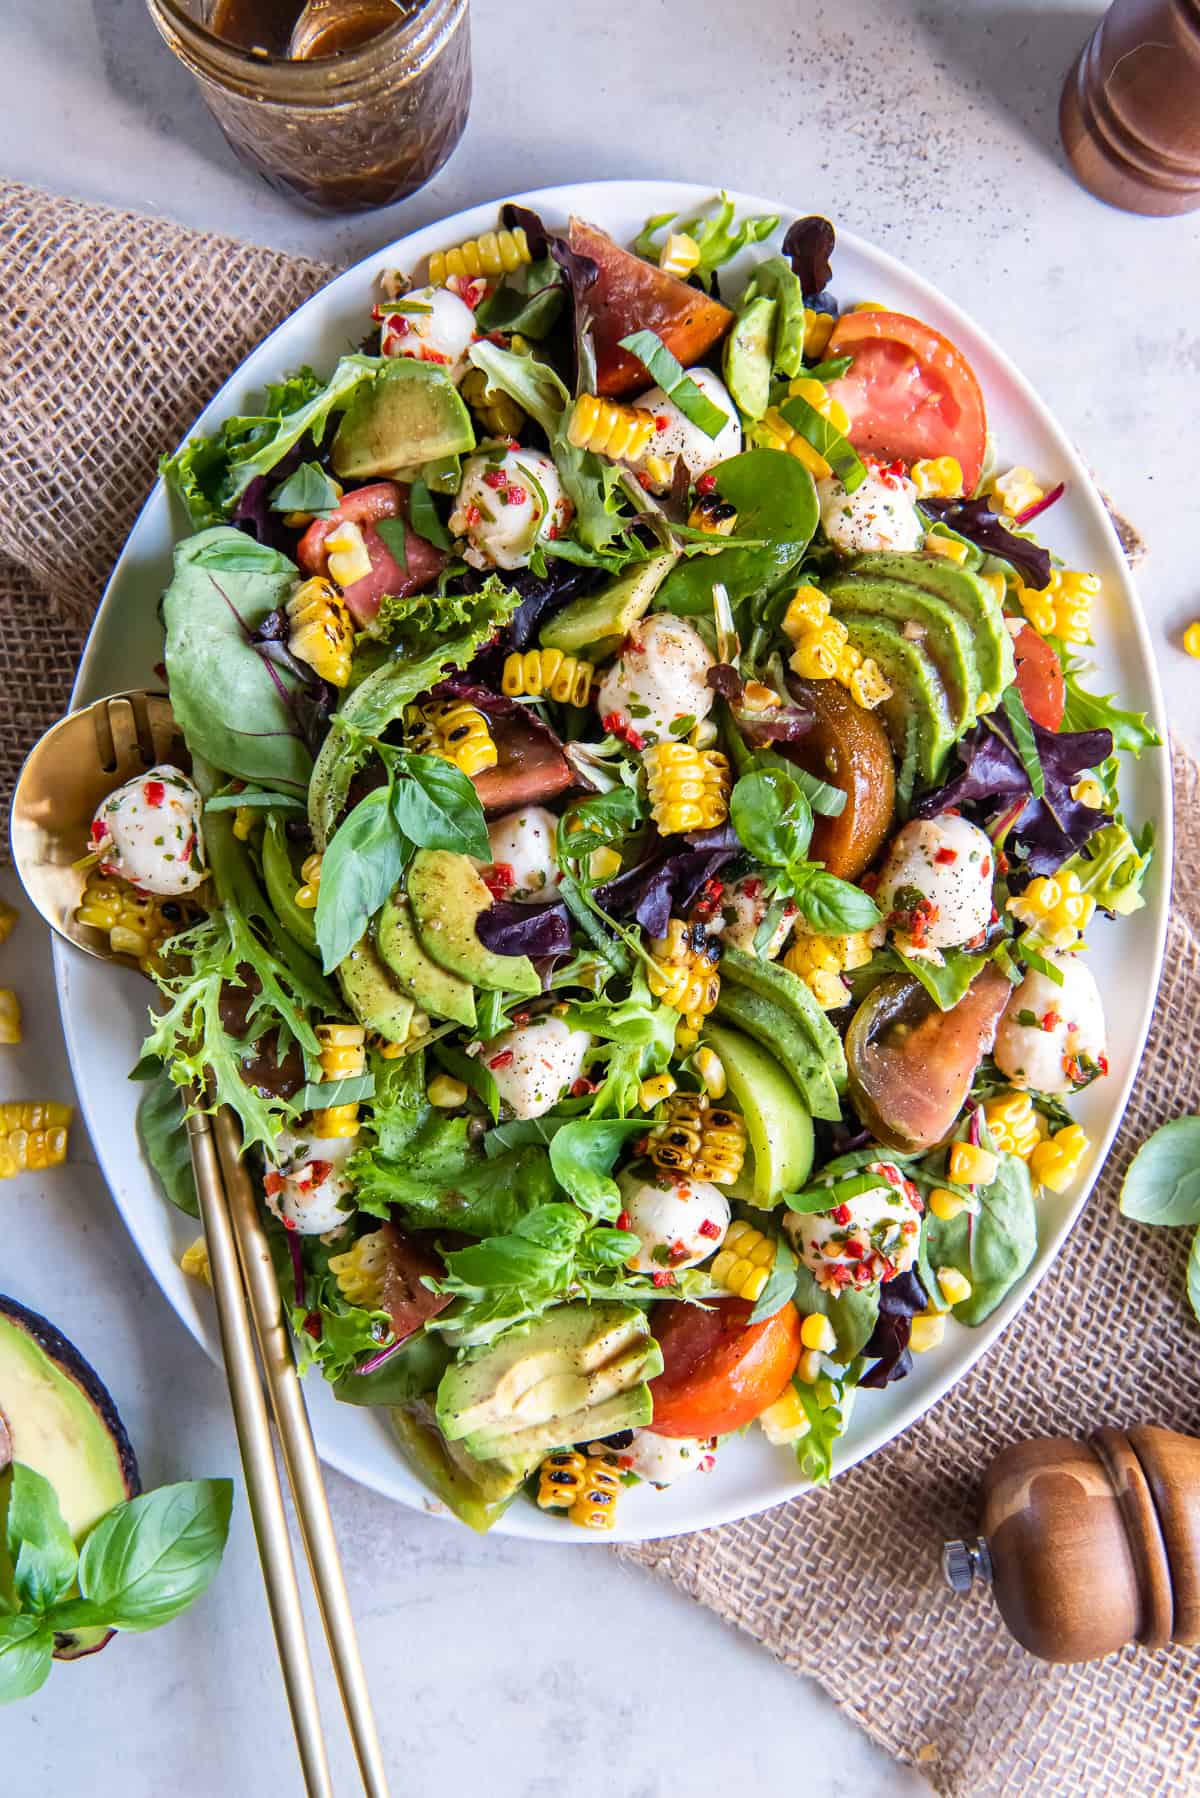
(8, 918)
(688, 788)
(685, 970)
(608, 428)
(136, 924)
(744, 1262)
(33, 1135)
(715, 516)
(492, 253)
(823, 650)
(1055, 1162)
(194, 1261)
(322, 633)
(359, 1270)
(456, 732)
(699, 1139)
(1056, 908)
(10, 1017)
(343, 1055)
(1013, 1123)
(820, 962)
(310, 874)
(561, 1479)
(547, 674)
(595, 1506)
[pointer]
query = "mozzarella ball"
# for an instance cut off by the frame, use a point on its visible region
(879, 514)
(678, 1222)
(664, 1459)
(443, 333)
(536, 1064)
(679, 437)
(950, 864)
(872, 1237)
(306, 1188)
(658, 676)
(743, 907)
(148, 833)
(522, 843)
(1062, 1025)
(500, 511)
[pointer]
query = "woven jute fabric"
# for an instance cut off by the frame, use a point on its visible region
(114, 330)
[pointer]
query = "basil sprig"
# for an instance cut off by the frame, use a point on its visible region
(665, 370)
(773, 817)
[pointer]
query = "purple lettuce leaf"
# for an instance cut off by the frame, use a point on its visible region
(900, 1300)
(668, 880)
(785, 724)
(975, 520)
(508, 928)
(808, 246)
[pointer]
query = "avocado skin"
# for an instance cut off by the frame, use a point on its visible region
(597, 622)
(963, 590)
(55, 1346)
(442, 994)
(948, 639)
(795, 1050)
(628, 1410)
(409, 414)
(918, 713)
(778, 1122)
(786, 990)
(447, 897)
(371, 993)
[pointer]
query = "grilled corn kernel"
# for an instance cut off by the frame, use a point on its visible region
(818, 656)
(310, 874)
(321, 631)
(711, 1069)
(1013, 1123)
(946, 1205)
(699, 1139)
(743, 1264)
(343, 1056)
(955, 1288)
(1055, 1162)
(456, 732)
(349, 560)
(604, 864)
(607, 428)
(1191, 642)
(359, 1270)
(652, 1092)
(786, 1421)
(868, 686)
(1015, 491)
(659, 471)
(971, 1165)
(492, 253)
(715, 516)
(561, 1478)
(136, 924)
(939, 478)
(810, 1366)
(688, 788)
(446, 1092)
(818, 329)
(680, 254)
(927, 1332)
(595, 1505)
(496, 410)
(807, 611)
(8, 918)
(685, 971)
(820, 962)
(952, 548)
(194, 1261)
(1056, 907)
(1064, 608)
(547, 674)
(816, 1332)
(33, 1135)
(10, 1016)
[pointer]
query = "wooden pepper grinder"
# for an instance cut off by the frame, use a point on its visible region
(1090, 1545)
(1130, 111)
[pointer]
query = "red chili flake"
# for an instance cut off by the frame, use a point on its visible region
(977, 941)
(678, 1252)
(840, 1276)
(1073, 1069)
(663, 1279)
(495, 477)
(377, 314)
(498, 337)
(503, 1060)
(320, 1170)
(520, 1017)
(707, 484)
(986, 870)
(582, 1087)
(710, 1228)
(853, 1249)
(841, 1214)
(313, 1325)
(752, 888)
(645, 481)
(99, 832)
(923, 915)
(517, 496)
(1049, 1020)
(946, 856)
(994, 915)
(661, 422)
(397, 325)
(635, 739)
(625, 1462)
(552, 532)
(499, 879)
(1102, 1063)
(471, 292)
(289, 1223)
(614, 723)
(473, 516)
(272, 1183)
(155, 792)
(428, 355)
(624, 1221)
(1002, 862)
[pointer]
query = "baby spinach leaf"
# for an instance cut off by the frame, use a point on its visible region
(666, 371)
(947, 984)
(852, 1312)
(393, 533)
(1162, 1185)
(582, 1154)
(777, 503)
(415, 1368)
(40, 1548)
(153, 1556)
(362, 864)
(164, 1140)
(772, 816)
(994, 1247)
(26, 1656)
(308, 489)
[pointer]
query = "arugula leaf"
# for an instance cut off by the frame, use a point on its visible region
(772, 816)
(992, 1247)
(308, 489)
(1025, 741)
(362, 864)
(718, 238)
(163, 1136)
(153, 1556)
(26, 1656)
(1096, 711)
(40, 1548)
(827, 440)
(424, 517)
(780, 1287)
(582, 1154)
(1162, 1185)
(665, 370)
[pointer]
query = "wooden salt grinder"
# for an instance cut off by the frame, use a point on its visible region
(1090, 1545)
(1130, 111)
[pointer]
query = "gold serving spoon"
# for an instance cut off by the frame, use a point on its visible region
(78, 762)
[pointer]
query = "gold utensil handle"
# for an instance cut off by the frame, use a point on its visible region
(258, 1461)
(300, 1455)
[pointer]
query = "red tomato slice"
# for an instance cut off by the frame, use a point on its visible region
(909, 392)
(1039, 678)
(364, 507)
(405, 1299)
(719, 1371)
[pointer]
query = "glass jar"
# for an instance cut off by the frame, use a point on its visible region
(345, 131)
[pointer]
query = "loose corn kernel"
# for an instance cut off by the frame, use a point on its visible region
(867, 685)
(938, 478)
(807, 611)
(604, 864)
(685, 1037)
(652, 1092)
(496, 410)
(685, 971)
(820, 962)
(10, 1017)
(321, 631)
(743, 1264)
(446, 1092)
(952, 548)
(818, 656)
(595, 1505)
(971, 1165)
(561, 1478)
(607, 428)
(870, 306)
(547, 674)
(243, 823)
(455, 732)
(713, 515)
(955, 1287)
(1015, 491)
(1056, 907)
(359, 1270)
(809, 1366)
(8, 918)
(1191, 642)
(946, 1205)
(1090, 793)
(786, 1421)
(680, 254)
(774, 432)
(711, 1069)
(927, 1332)
(492, 253)
(136, 924)
(1064, 608)
(349, 559)
(310, 874)
(688, 788)
(1055, 1162)
(1013, 1123)
(195, 1263)
(699, 1139)
(659, 471)
(342, 1055)
(818, 329)
(33, 1135)
(816, 1332)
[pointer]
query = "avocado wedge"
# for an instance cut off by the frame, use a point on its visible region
(786, 990)
(478, 1492)
(918, 716)
(372, 994)
(747, 358)
(778, 1122)
(442, 994)
(411, 413)
(792, 1047)
(968, 594)
(597, 623)
(628, 1410)
(922, 617)
(57, 1417)
(447, 896)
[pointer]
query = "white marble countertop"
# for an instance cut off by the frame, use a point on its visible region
(925, 125)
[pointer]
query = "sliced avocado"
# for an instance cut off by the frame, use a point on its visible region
(57, 1417)
(918, 702)
(792, 1047)
(748, 357)
(597, 623)
(785, 989)
(442, 994)
(410, 413)
(478, 1492)
(281, 881)
(968, 594)
(923, 618)
(447, 896)
(778, 1122)
(562, 1362)
(372, 994)
(629, 1410)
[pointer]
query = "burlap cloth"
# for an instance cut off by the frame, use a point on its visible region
(114, 330)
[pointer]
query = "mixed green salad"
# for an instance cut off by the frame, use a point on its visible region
(645, 807)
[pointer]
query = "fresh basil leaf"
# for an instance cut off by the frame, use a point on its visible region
(829, 800)
(164, 1139)
(1024, 739)
(393, 534)
(309, 489)
(424, 517)
(1193, 1275)
(40, 1548)
(582, 1154)
(26, 1656)
(1162, 1185)
(489, 1015)
(474, 1073)
(772, 816)
(827, 440)
(256, 799)
(815, 1200)
(436, 806)
(666, 372)
(362, 864)
(1037, 962)
(596, 823)
(153, 1556)
(994, 1247)
(780, 1287)
(832, 906)
(414, 1369)
(325, 1094)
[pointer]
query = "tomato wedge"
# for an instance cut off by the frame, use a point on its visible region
(405, 1299)
(909, 392)
(1039, 678)
(365, 506)
(719, 1370)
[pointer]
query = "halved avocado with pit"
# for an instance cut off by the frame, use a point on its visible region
(778, 1122)
(442, 994)
(447, 897)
